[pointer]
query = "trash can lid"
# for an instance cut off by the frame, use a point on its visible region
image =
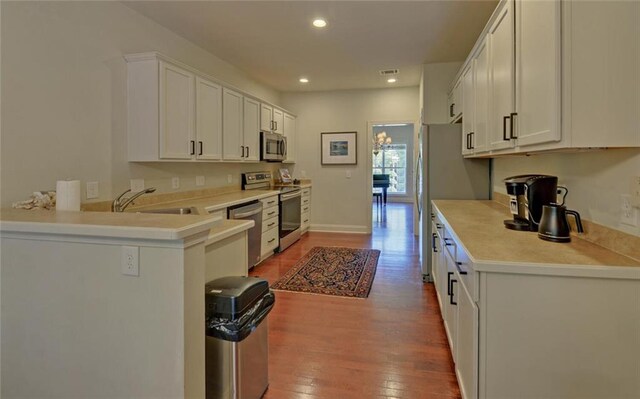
(231, 297)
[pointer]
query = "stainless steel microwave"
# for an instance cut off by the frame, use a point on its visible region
(273, 147)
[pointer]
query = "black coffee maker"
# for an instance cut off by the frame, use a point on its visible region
(527, 195)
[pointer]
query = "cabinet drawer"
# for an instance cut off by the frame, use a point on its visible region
(271, 223)
(462, 263)
(268, 213)
(305, 208)
(269, 241)
(305, 221)
(306, 192)
(305, 201)
(269, 201)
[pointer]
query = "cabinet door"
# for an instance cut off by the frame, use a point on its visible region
(290, 134)
(451, 313)
(501, 48)
(251, 128)
(232, 142)
(468, 114)
(450, 103)
(208, 119)
(481, 100)
(266, 118)
(467, 344)
(457, 99)
(278, 121)
(176, 113)
(537, 72)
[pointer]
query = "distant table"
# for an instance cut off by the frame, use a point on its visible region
(381, 181)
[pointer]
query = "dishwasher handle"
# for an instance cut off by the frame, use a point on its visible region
(245, 210)
(246, 214)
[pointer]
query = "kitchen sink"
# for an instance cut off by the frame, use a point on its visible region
(173, 211)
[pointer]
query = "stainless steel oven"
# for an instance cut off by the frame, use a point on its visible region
(273, 147)
(290, 214)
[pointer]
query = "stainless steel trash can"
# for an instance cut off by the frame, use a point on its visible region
(236, 337)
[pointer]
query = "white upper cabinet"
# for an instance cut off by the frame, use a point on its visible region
(176, 113)
(278, 121)
(560, 75)
(538, 72)
(232, 118)
(251, 128)
(208, 119)
(501, 74)
(266, 118)
(481, 98)
(468, 110)
(289, 129)
(455, 102)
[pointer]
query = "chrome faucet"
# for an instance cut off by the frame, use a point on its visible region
(118, 205)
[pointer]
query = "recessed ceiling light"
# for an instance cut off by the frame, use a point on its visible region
(304, 80)
(391, 80)
(319, 23)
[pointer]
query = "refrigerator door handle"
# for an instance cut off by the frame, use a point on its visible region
(417, 186)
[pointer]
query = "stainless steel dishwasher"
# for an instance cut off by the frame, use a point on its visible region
(250, 211)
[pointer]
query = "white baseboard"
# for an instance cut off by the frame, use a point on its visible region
(339, 228)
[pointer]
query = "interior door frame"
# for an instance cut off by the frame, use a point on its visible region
(369, 166)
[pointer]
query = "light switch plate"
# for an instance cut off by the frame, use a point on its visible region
(199, 180)
(175, 182)
(229, 179)
(348, 174)
(628, 214)
(137, 185)
(635, 192)
(93, 190)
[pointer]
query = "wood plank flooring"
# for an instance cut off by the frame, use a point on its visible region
(389, 345)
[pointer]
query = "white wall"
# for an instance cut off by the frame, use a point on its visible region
(338, 202)
(63, 97)
(595, 180)
(402, 135)
(435, 82)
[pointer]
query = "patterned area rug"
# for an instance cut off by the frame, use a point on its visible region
(332, 271)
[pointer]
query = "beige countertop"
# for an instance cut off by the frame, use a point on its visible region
(104, 224)
(478, 226)
(213, 203)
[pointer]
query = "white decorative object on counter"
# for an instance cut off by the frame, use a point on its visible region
(38, 200)
(68, 195)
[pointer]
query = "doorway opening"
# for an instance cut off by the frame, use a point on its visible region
(392, 174)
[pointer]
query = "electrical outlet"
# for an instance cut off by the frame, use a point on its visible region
(136, 185)
(93, 190)
(229, 179)
(635, 192)
(628, 215)
(130, 262)
(199, 180)
(175, 182)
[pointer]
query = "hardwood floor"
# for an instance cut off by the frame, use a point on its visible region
(389, 345)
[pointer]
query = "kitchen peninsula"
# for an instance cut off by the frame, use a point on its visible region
(78, 323)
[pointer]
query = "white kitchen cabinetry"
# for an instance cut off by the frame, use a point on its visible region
(208, 119)
(266, 118)
(501, 72)
(251, 128)
(455, 101)
(481, 84)
(232, 118)
(278, 121)
(289, 130)
(270, 226)
(177, 113)
(468, 110)
(450, 302)
(305, 210)
(466, 340)
(562, 76)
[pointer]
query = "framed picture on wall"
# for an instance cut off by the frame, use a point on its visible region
(339, 148)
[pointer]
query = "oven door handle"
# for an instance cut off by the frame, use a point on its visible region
(284, 197)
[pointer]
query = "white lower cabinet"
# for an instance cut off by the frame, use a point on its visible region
(539, 332)
(270, 226)
(305, 210)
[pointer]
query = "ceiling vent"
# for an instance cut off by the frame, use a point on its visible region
(389, 72)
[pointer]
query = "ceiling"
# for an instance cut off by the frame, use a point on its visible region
(275, 43)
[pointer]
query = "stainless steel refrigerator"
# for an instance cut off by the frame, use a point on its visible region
(443, 173)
